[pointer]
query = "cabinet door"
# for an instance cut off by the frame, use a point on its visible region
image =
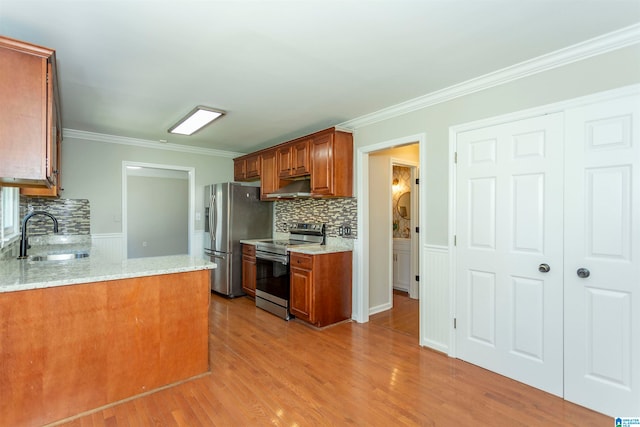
(53, 150)
(301, 293)
(23, 121)
(52, 130)
(300, 158)
(322, 165)
(284, 161)
(252, 169)
(269, 176)
(249, 275)
(402, 272)
(240, 169)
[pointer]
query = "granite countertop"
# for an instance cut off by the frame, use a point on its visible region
(25, 274)
(318, 249)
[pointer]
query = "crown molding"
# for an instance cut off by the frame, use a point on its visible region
(144, 143)
(596, 46)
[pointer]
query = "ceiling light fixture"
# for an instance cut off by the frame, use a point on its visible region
(198, 118)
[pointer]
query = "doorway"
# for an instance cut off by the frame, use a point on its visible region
(157, 209)
(374, 274)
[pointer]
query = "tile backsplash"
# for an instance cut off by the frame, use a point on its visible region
(333, 212)
(73, 215)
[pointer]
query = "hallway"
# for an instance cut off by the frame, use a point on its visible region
(403, 317)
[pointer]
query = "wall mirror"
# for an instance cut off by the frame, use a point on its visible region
(404, 205)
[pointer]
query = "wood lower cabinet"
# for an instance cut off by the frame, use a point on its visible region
(29, 120)
(320, 287)
(70, 349)
(249, 269)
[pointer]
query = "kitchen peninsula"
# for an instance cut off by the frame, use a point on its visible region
(81, 334)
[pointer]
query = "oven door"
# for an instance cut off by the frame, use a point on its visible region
(272, 286)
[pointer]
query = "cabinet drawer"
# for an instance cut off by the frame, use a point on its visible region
(248, 250)
(301, 261)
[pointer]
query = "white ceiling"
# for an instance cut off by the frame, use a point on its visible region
(282, 69)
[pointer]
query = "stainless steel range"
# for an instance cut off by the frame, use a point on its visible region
(272, 266)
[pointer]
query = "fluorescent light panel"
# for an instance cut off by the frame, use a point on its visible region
(196, 120)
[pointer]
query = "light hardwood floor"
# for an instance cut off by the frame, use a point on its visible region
(403, 317)
(265, 371)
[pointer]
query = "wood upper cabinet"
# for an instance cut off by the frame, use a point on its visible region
(293, 159)
(56, 188)
(253, 166)
(247, 168)
(249, 269)
(240, 169)
(284, 161)
(320, 287)
(325, 156)
(332, 164)
(269, 178)
(30, 129)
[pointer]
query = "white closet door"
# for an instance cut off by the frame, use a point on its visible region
(602, 235)
(508, 226)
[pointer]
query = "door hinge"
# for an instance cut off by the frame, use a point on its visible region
(417, 278)
(455, 323)
(417, 229)
(417, 181)
(455, 157)
(455, 240)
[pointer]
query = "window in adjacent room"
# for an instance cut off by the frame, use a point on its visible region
(9, 223)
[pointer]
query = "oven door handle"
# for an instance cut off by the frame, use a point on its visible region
(261, 255)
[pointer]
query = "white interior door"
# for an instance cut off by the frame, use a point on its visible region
(508, 226)
(602, 235)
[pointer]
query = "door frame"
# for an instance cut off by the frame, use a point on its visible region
(191, 209)
(360, 305)
(492, 121)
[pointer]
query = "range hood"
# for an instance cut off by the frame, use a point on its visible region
(299, 188)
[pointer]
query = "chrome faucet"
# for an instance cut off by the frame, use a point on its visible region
(23, 237)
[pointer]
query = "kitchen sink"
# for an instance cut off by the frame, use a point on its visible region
(59, 257)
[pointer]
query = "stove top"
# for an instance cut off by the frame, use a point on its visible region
(300, 234)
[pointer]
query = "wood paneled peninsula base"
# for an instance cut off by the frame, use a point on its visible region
(70, 349)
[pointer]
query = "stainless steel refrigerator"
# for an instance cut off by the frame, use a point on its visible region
(233, 211)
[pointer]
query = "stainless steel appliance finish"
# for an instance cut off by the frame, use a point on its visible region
(298, 188)
(233, 211)
(272, 266)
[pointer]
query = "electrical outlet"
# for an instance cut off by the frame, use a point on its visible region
(340, 231)
(347, 230)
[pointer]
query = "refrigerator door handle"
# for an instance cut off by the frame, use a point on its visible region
(213, 219)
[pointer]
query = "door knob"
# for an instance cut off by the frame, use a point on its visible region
(583, 273)
(544, 268)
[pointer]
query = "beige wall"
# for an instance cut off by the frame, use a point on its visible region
(604, 72)
(93, 170)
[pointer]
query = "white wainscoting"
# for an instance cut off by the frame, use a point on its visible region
(109, 245)
(435, 326)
